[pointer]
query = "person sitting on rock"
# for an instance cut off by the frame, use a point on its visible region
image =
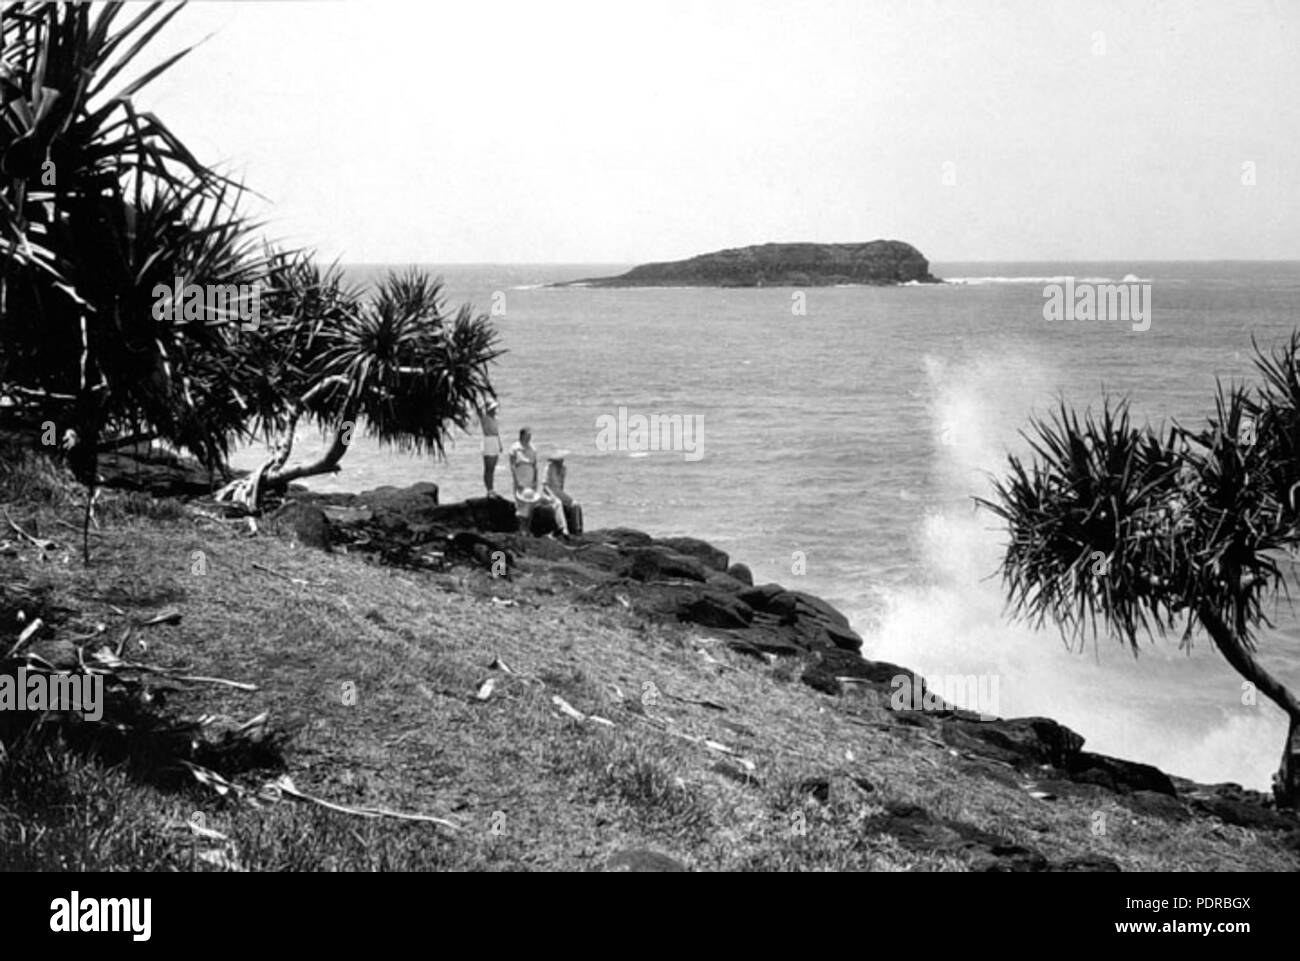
(523, 468)
(554, 493)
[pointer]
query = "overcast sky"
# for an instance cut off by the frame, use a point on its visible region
(485, 131)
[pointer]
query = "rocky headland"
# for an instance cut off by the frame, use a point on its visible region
(687, 581)
(623, 701)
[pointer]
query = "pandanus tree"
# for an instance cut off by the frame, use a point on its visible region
(102, 207)
(99, 204)
(398, 366)
(1140, 532)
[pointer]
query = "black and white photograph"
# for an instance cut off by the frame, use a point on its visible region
(685, 436)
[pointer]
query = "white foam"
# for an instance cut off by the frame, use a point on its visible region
(1163, 708)
(1058, 279)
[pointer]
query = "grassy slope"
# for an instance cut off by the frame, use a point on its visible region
(528, 787)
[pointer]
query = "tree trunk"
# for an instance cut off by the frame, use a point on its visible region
(1286, 784)
(272, 473)
(326, 463)
(275, 473)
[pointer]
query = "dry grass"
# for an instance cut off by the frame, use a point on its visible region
(376, 671)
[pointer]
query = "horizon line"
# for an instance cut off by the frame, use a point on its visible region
(955, 260)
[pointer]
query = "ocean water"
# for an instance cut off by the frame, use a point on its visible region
(845, 432)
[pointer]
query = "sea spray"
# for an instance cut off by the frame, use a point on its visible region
(1181, 713)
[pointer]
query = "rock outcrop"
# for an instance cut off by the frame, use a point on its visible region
(687, 580)
(877, 262)
(917, 829)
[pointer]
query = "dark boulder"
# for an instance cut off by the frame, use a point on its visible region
(842, 637)
(847, 664)
(619, 536)
(344, 515)
(664, 599)
(759, 597)
(782, 604)
(1155, 804)
(918, 830)
(809, 605)
(1116, 774)
(660, 563)
(395, 508)
(881, 677)
(818, 623)
(741, 573)
(820, 679)
(775, 644)
(156, 472)
(542, 548)
(400, 500)
(604, 557)
(1243, 813)
(704, 552)
(490, 514)
(741, 646)
(722, 582)
(1019, 741)
(304, 523)
(713, 609)
(487, 552)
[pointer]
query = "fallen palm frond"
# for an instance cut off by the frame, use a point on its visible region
(568, 710)
(283, 786)
(296, 581)
(113, 706)
(41, 543)
(711, 705)
(106, 661)
(168, 616)
(667, 727)
(28, 632)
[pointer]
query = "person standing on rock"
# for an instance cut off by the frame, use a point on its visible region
(487, 419)
(523, 471)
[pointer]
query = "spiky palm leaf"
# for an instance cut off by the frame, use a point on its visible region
(56, 61)
(1123, 529)
(1090, 520)
(278, 367)
(129, 207)
(404, 366)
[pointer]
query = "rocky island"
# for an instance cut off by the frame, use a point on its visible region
(877, 262)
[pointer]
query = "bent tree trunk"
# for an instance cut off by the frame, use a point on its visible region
(328, 462)
(1286, 784)
(273, 475)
